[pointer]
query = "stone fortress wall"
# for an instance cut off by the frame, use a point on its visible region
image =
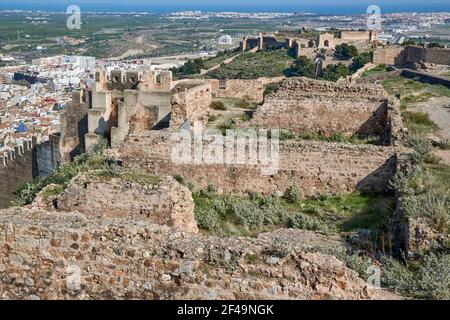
(74, 125)
(397, 55)
(252, 90)
(132, 102)
(60, 255)
(302, 45)
(32, 159)
(304, 105)
(160, 201)
(312, 167)
(120, 98)
(189, 102)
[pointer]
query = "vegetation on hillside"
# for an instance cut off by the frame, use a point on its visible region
(426, 196)
(345, 51)
(410, 92)
(254, 213)
(219, 58)
(189, 68)
(255, 65)
(92, 160)
(304, 67)
(379, 69)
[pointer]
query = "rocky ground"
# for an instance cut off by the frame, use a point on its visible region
(61, 255)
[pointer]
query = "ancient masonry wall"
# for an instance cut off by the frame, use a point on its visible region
(74, 125)
(425, 77)
(16, 168)
(359, 35)
(399, 55)
(428, 55)
(253, 90)
(312, 167)
(389, 55)
(308, 106)
(48, 255)
(163, 202)
(25, 163)
(48, 155)
(127, 101)
(190, 104)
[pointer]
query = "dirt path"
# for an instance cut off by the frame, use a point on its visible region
(439, 111)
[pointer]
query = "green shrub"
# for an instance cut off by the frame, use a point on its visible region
(287, 135)
(307, 222)
(434, 205)
(302, 67)
(91, 160)
(207, 219)
(361, 60)
(229, 124)
(179, 179)
(250, 214)
(426, 279)
(254, 65)
(292, 195)
(212, 189)
(334, 72)
(422, 149)
(444, 144)
(271, 88)
(252, 258)
(408, 183)
(111, 169)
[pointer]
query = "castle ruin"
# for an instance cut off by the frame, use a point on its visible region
(302, 45)
(139, 118)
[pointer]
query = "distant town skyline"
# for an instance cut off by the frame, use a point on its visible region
(317, 6)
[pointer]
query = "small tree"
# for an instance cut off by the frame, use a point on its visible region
(361, 60)
(335, 71)
(303, 67)
(345, 51)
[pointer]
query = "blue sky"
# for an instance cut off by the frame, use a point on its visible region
(321, 6)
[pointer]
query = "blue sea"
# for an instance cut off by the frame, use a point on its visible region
(157, 6)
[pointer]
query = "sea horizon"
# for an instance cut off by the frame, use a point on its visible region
(154, 8)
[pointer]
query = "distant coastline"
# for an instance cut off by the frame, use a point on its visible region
(357, 8)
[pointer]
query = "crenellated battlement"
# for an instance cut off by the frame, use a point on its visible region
(133, 80)
(34, 158)
(19, 152)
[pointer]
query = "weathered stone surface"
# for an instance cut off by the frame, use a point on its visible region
(311, 106)
(163, 201)
(57, 255)
(250, 89)
(312, 167)
(190, 102)
(35, 158)
(423, 238)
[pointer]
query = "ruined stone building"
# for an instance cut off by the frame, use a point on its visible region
(122, 103)
(303, 45)
(123, 237)
(139, 113)
(301, 105)
(398, 55)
